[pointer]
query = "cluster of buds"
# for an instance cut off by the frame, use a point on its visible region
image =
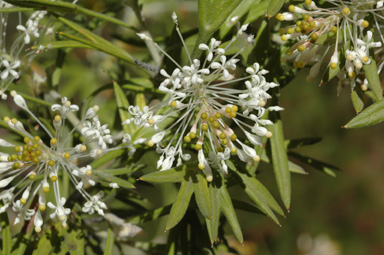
(204, 106)
(323, 34)
(35, 167)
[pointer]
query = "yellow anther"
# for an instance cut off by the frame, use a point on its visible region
(290, 30)
(46, 189)
(51, 162)
(282, 31)
(301, 48)
(23, 201)
(20, 157)
(83, 148)
(187, 139)
(351, 74)
(298, 29)
(173, 104)
(233, 114)
(6, 119)
(32, 176)
(268, 134)
(279, 17)
(365, 23)
(256, 158)
(334, 29)
(312, 24)
(57, 118)
(88, 172)
(53, 141)
(284, 38)
(365, 59)
(192, 135)
(216, 124)
(314, 36)
(29, 148)
(37, 229)
(306, 17)
(14, 121)
(17, 148)
(233, 137)
(150, 143)
(217, 115)
(67, 155)
(36, 138)
(235, 108)
(262, 103)
(301, 64)
(53, 178)
(289, 52)
(13, 157)
(219, 149)
(350, 57)
(38, 152)
(228, 109)
(42, 207)
(67, 104)
(204, 116)
(234, 150)
(35, 146)
(211, 119)
(151, 121)
(333, 65)
(209, 178)
(201, 166)
(298, 23)
(198, 146)
(222, 135)
(291, 8)
(204, 127)
(308, 2)
(224, 141)
(16, 165)
(346, 11)
(35, 160)
(309, 79)
(364, 87)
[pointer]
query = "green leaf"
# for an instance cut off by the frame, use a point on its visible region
(6, 234)
(273, 7)
(15, 9)
(318, 165)
(213, 224)
(294, 168)
(357, 101)
(113, 179)
(212, 14)
(180, 205)
(260, 195)
(280, 160)
(110, 242)
(257, 10)
(203, 199)
(370, 116)
(151, 215)
(247, 207)
(176, 174)
(107, 157)
(122, 106)
(300, 142)
(63, 44)
(59, 6)
(226, 207)
(373, 79)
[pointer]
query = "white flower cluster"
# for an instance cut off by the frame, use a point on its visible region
(206, 104)
(34, 169)
(346, 22)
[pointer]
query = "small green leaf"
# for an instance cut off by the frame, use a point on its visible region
(110, 242)
(122, 106)
(113, 179)
(372, 76)
(213, 224)
(357, 101)
(318, 165)
(63, 44)
(212, 14)
(226, 207)
(151, 215)
(280, 160)
(273, 7)
(257, 10)
(247, 207)
(176, 174)
(106, 158)
(372, 115)
(6, 234)
(203, 199)
(294, 168)
(180, 205)
(300, 142)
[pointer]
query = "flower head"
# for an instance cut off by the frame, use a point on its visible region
(202, 96)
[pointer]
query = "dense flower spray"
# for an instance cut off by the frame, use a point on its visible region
(341, 34)
(35, 167)
(206, 104)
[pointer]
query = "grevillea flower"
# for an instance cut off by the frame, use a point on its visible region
(35, 167)
(203, 97)
(347, 31)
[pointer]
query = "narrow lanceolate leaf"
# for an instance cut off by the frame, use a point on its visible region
(274, 6)
(180, 205)
(113, 179)
(260, 195)
(60, 6)
(280, 162)
(212, 14)
(373, 79)
(213, 225)
(151, 215)
(203, 198)
(176, 174)
(15, 9)
(62, 45)
(318, 165)
(122, 106)
(226, 207)
(6, 234)
(109, 245)
(357, 101)
(370, 116)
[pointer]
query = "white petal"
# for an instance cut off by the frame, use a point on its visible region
(6, 144)
(5, 182)
(19, 100)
